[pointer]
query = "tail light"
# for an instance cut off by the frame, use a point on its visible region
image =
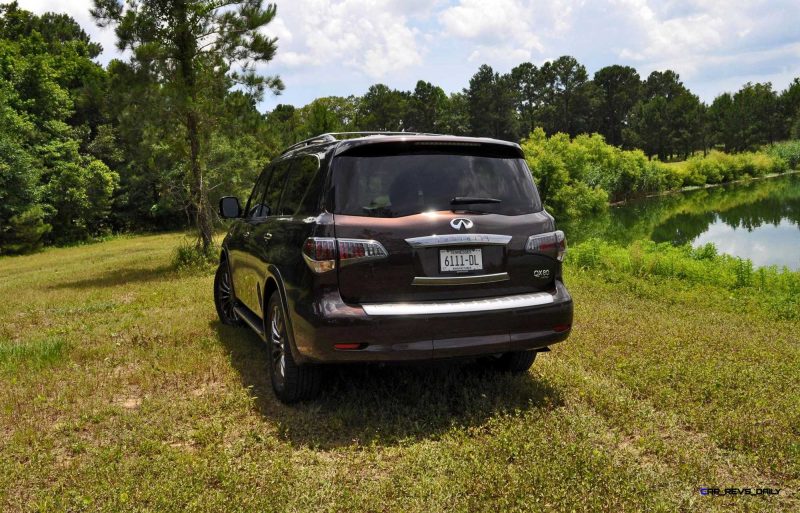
(321, 253)
(553, 244)
(358, 250)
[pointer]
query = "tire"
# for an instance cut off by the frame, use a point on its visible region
(224, 298)
(515, 362)
(291, 382)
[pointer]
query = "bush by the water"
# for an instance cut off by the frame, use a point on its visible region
(701, 266)
(580, 176)
(789, 151)
(718, 167)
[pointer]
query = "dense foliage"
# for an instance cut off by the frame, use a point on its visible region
(52, 187)
(658, 114)
(788, 151)
(152, 141)
(190, 54)
(580, 176)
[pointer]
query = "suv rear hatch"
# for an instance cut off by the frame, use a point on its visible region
(454, 218)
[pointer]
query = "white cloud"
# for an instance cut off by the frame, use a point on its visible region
(693, 36)
(79, 11)
(665, 36)
(373, 37)
(498, 29)
(342, 46)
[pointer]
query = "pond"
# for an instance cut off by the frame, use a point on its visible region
(758, 219)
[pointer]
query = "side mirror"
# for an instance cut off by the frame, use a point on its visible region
(229, 207)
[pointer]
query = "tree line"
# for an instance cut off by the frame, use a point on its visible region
(658, 114)
(151, 140)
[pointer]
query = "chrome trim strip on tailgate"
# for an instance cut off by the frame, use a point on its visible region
(460, 239)
(459, 280)
(466, 306)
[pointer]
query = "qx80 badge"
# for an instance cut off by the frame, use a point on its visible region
(460, 222)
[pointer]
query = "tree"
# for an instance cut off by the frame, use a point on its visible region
(619, 89)
(284, 120)
(530, 87)
(383, 109)
(749, 118)
(667, 119)
(320, 118)
(191, 48)
(455, 115)
(567, 96)
(491, 99)
(50, 98)
(789, 105)
(328, 114)
(425, 108)
(756, 106)
(722, 118)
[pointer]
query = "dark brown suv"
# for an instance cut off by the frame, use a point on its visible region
(380, 247)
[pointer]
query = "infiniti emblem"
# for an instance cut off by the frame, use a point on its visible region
(460, 222)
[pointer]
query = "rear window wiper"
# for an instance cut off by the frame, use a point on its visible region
(470, 200)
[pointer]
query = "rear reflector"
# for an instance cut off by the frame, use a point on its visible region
(321, 253)
(553, 244)
(348, 346)
(560, 328)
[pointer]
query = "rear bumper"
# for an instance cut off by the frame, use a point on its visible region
(442, 330)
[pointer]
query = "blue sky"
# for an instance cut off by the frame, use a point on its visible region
(331, 47)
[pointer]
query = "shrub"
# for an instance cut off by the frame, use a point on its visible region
(577, 176)
(80, 193)
(580, 176)
(718, 167)
(788, 151)
(26, 231)
(189, 256)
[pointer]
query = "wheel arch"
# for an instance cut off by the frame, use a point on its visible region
(273, 283)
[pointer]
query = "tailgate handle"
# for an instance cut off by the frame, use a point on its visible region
(463, 239)
(460, 280)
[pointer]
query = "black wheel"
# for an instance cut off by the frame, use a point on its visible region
(290, 381)
(516, 362)
(223, 296)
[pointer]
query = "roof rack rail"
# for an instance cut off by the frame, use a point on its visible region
(339, 136)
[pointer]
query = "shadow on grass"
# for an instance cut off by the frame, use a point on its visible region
(385, 405)
(117, 277)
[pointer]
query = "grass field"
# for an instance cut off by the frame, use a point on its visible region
(122, 392)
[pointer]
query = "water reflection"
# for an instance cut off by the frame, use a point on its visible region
(759, 220)
(767, 244)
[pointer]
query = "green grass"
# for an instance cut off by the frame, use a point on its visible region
(33, 353)
(122, 392)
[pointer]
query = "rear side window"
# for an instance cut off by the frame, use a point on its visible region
(403, 184)
(275, 187)
(297, 198)
(255, 207)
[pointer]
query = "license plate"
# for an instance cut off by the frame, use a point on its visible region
(460, 260)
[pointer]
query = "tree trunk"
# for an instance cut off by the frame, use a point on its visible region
(198, 192)
(198, 195)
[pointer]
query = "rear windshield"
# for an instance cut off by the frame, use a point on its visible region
(405, 184)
